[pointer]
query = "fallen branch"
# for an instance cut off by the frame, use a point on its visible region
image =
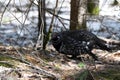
(113, 44)
(111, 41)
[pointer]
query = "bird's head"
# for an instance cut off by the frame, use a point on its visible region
(55, 38)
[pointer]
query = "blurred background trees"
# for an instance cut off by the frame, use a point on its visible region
(31, 22)
(27, 25)
(79, 9)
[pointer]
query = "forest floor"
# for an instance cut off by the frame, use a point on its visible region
(28, 64)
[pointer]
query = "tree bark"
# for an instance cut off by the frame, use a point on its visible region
(93, 7)
(74, 14)
(78, 9)
(41, 24)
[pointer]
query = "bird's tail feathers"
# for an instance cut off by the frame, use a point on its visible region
(103, 44)
(108, 44)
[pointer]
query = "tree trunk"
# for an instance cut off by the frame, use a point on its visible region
(82, 14)
(74, 14)
(48, 34)
(78, 9)
(93, 7)
(41, 24)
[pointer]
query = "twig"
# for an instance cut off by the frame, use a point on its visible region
(4, 10)
(39, 70)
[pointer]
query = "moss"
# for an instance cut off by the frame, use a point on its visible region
(93, 8)
(6, 64)
(46, 39)
(9, 61)
(96, 10)
(5, 58)
(6, 61)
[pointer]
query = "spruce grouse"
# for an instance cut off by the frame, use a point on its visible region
(77, 42)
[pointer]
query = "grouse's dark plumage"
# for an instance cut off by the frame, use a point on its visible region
(77, 42)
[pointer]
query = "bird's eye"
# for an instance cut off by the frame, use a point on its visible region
(56, 38)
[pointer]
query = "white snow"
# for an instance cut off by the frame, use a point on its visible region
(12, 28)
